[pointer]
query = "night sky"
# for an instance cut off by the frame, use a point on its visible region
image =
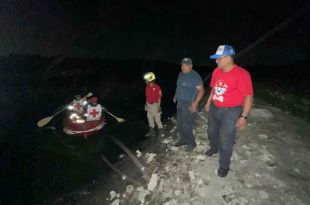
(150, 30)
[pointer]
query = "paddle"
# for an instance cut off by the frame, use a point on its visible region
(46, 120)
(117, 118)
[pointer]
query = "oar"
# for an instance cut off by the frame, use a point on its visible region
(117, 118)
(46, 120)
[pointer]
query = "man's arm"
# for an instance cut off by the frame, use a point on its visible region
(207, 106)
(201, 92)
(247, 106)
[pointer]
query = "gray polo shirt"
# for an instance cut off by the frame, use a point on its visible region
(186, 86)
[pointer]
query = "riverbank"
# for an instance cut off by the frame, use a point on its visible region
(269, 166)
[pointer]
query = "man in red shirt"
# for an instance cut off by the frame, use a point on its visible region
(152, 105)
(229, 104)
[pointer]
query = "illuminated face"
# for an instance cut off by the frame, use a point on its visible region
(222, 61)
(186, 68)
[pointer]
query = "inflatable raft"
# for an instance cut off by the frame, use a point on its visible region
(74, 124)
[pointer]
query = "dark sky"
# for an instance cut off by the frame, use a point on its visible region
(149, 29)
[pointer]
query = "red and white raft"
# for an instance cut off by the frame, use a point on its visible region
(74, 124)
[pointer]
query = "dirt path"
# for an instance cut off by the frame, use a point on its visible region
(270, 165)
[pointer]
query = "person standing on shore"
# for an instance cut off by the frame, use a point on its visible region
(229, 105)
(152, 105)
(188, 94)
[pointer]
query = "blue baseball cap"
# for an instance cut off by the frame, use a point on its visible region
(223, 50)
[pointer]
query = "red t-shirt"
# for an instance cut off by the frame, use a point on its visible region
(230, 88)
(153, 93)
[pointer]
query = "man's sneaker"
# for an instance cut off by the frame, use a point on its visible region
(189, 148)
(179, 144)
(222, 172)
(210, 152)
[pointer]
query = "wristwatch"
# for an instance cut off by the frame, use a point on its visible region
(243, 116)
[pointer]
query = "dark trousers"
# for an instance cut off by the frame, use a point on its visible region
(185, 123)
(222, 131)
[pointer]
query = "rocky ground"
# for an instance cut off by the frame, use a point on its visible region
(270, 165)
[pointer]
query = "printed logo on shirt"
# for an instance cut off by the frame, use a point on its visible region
(220, 89)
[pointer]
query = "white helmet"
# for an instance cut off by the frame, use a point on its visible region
(148, 77)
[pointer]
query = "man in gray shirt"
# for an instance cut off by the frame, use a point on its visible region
(188, 93)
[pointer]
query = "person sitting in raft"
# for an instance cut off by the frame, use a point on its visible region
(78, 104)
(94, 110)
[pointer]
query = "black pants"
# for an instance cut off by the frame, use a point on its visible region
(222, 131)
(185, 123)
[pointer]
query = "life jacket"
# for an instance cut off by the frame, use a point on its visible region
(78, 105)
(94, 112)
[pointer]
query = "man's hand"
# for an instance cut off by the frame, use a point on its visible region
(145, 107)
(207, 106)
(241, 124)
(174, 99)
(193, 107)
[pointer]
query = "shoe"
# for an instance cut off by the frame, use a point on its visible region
(189, 148)
(210, 152)
(222, 172)
(151, 132)
(179, 144)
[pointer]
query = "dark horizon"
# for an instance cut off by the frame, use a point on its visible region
(151, 30)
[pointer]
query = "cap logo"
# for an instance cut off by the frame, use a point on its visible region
(220, 50)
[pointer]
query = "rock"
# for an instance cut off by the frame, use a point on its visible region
(257, 175)
(121, 156)
(243, 161)
(115, 202)
(177, 192)
(172, 130)
(112, 194)
(139, 154)
(142, 193)
(263, 195)
(262, 136)
(171, 202)
(249, 185)
(129, 190)
(153, 182)
(165, 141)
(150, 157)
(201, 157)
(191, 175)
(174, 148)
(161, 183)
(227, 198)
(246, 147)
